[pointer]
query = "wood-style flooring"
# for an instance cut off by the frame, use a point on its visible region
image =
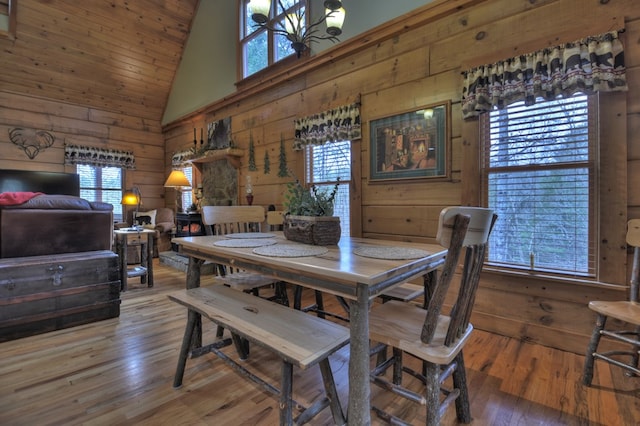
(120, 372)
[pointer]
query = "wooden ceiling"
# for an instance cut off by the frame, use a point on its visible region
(115, 55)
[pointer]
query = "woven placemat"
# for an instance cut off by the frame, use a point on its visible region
(291, 250)
(390, 253)
(245, 243)
(250, 235)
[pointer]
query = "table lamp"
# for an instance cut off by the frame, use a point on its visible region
(178, 180)
(132, 197)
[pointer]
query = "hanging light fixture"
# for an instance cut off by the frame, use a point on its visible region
(293, 26)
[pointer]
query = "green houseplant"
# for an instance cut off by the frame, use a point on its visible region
(309, 215)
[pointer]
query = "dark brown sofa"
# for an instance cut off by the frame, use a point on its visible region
(54, 224)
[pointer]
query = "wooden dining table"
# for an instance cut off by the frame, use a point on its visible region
(345, 270)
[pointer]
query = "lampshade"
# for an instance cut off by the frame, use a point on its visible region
(335, 19)
(260, 10)
(131, 197)
(177, 179)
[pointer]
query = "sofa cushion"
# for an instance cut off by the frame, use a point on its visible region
(60, 202)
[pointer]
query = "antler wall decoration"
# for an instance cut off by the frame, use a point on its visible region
(31, 141)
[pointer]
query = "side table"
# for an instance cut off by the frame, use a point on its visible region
(144, 239)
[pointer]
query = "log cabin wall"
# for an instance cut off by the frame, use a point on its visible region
(93, 74)
(414, 61)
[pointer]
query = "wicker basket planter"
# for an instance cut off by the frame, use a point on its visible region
(316, 230)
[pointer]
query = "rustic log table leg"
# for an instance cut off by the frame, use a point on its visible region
(193, 281)
(359, 386)
(121, 243)
(149, 260)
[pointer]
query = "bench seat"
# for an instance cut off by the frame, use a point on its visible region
(299, 339)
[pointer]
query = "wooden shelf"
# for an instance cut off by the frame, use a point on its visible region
(232, 155)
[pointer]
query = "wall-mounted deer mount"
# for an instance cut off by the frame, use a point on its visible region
(31, 141)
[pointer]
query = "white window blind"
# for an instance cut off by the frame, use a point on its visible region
(326, 165)
(539, 175)
(187, 194)
(102, 184)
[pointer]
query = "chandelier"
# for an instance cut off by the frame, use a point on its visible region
(294, 28)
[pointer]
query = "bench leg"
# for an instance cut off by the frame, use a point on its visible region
(286, 414)
(332, 392)
(242, 346)
(193, 318)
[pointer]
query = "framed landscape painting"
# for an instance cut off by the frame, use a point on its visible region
(411, 145)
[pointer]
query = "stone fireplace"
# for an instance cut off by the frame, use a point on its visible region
(219, 184)
(219, 173)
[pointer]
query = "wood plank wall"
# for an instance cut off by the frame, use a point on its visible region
(93, 74)
(416, 61)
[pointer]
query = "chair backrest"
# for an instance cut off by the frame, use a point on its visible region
(454, 235)
(275, 219)
(633, 240)
(221, 220)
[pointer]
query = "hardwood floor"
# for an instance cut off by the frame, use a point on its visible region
(120, 372)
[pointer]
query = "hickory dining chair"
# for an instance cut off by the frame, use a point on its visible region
(430, 335)
(625, 336)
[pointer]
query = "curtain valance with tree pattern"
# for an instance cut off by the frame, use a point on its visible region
(179, 159)
(335, 125)
(99, 157)
(589, 65)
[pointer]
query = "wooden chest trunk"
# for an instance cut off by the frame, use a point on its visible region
(45, 293)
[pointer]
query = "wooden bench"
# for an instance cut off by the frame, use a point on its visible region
(299, 339)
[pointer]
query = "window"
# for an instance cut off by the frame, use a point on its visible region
(8, 17)
(538, 166)
(325, 165)
(102, 184)
(259, 47)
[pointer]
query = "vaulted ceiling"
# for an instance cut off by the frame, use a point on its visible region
(113, 55)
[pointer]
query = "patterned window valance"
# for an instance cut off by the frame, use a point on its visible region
(179, 158)
(99, 157)
(334, 125)
(589, 65)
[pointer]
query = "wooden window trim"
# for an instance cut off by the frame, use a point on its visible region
(611, 191)
(12, 8)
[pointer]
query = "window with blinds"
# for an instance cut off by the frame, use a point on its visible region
(102, 184)
(538, 166)
(187, 194)
(326, 165)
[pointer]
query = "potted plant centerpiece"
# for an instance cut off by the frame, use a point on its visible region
(309, 215)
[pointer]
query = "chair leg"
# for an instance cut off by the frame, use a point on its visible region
(397, 366)
(432, 394)
(587, 376)
(320, 304)
(297, 297)
(460, 382)
(286, 414)
(281, 295)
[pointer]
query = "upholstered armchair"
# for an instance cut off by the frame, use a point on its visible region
(165, 223)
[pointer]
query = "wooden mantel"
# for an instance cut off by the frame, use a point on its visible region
(232, 155)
